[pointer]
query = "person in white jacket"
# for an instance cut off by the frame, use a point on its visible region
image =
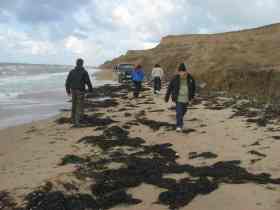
(157, 74)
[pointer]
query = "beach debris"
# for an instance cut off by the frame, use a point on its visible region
(262, 122)
(31, 130)
(107, 103)
(157, 110)
(94, 120)
(172, 108)
(132, 123)
(276, 137)
(44, 200)
(192, 119)
(132, 105)
(146, 103)
(113, 91)
(205, 155)
(6, 201)
(89, 120)
(122, 110)
(127, 127)
(155, 125)
(63, 120)
(188, 131)
(273, 130)
(216, 101)
(112, 137)
(129, 124)
(127, 114)
(255, 160)
(255, 111)
(141, 113)
(152, 162)
(115, 198)
(72, 159)
(257, 143)
(140, 163)
(185, 191)
(57, 200)
(253, 152)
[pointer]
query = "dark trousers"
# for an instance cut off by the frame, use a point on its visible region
(181, 110)
(157, 84)
(137, 88)
(78, 98)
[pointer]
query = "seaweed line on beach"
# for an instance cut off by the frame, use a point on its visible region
(143, 164)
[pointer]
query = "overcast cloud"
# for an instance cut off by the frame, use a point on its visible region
(59, 31)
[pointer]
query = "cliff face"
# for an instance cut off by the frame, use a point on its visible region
(246, 62)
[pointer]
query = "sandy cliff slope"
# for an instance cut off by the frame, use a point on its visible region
(245, 62)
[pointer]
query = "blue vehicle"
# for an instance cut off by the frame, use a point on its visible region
(124, 72)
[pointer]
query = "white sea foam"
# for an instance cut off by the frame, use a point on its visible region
(8, 96)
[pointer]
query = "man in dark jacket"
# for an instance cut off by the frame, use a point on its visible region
(182, 91)
(75, 84)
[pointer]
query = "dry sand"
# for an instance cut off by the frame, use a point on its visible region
(30, 154)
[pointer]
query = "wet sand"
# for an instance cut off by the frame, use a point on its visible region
(132, 143)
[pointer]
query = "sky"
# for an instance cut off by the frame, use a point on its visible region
(59, 31)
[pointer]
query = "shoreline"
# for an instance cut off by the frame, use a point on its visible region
(13, 137)
(133, 144)
(102, 75)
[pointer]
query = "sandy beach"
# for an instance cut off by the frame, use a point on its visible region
(128, 156)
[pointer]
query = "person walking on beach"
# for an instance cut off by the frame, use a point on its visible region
(137, 78)
(75, 84)
(157, 74)
(182, 91)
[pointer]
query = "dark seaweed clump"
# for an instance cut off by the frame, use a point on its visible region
(149, 164)
(6, 202)
(89, 121)
(253, 152)
(93, 105)
(57, 200)
(262, 122)
(127, 114)
(157, 110)
(143, 164)
(206, 155)
(262, 114)
(41, 200)
(72, 159)
(113, 91)
(113, 137)
(155, 125)
(189, 130)
(276, 137)
(213, 102)
(254, 110)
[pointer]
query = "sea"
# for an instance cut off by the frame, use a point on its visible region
(34, 92)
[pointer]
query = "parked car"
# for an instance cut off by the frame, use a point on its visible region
(124, 71)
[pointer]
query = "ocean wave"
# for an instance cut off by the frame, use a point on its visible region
(44, 76)
(25, 78)
(8, 96)
(13, 87)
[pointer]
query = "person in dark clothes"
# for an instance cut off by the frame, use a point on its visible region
(157, 74)
(137, 78)
(182, 91)
(75, 84)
